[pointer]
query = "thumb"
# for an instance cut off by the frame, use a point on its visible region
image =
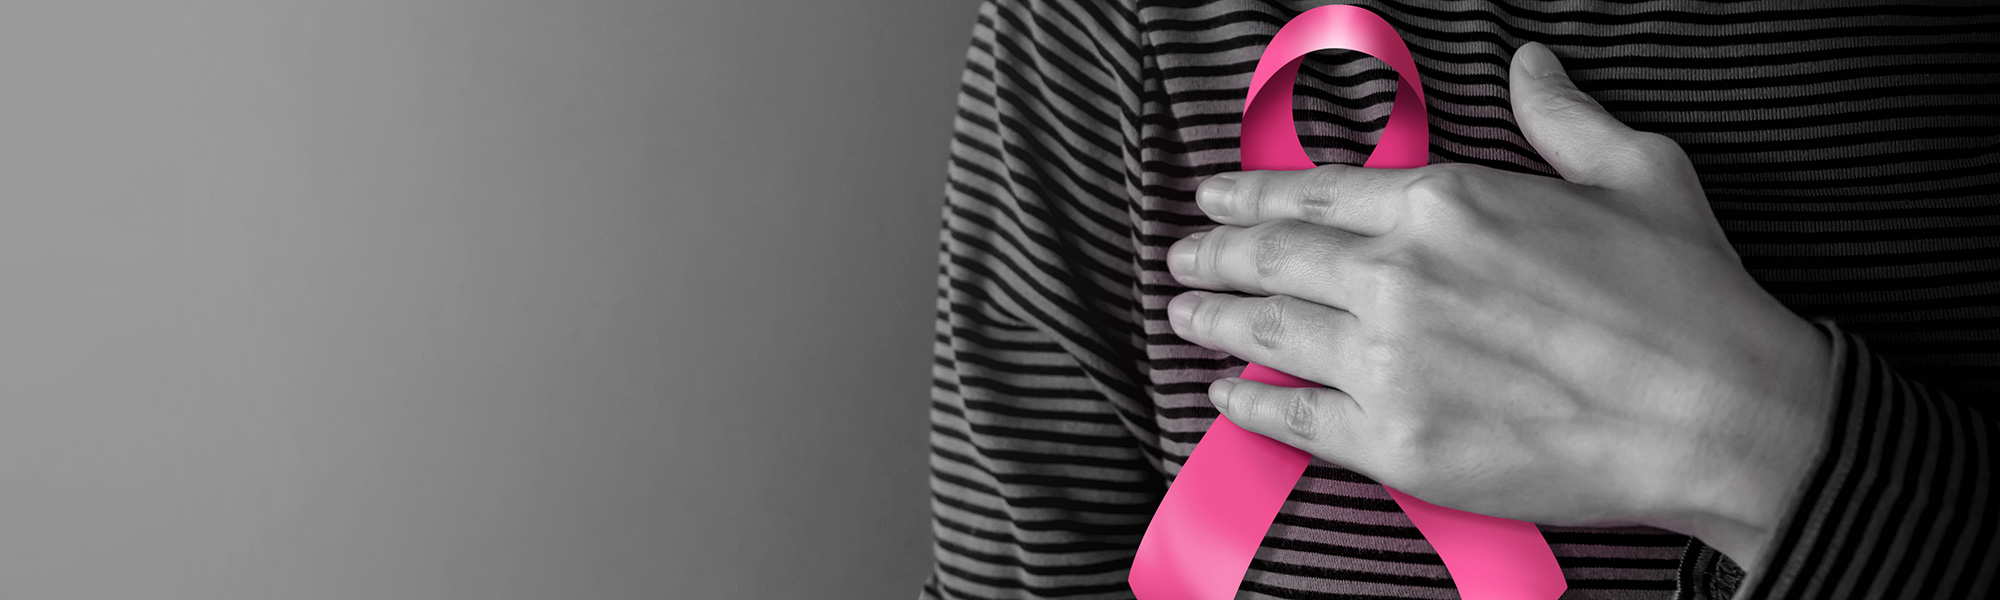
(1570, 129)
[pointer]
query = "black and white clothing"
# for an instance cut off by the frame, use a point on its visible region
(1851, 151)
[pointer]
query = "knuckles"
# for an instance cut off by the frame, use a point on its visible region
(1405, 448)
(1268, 322)
(1398, 282)
(1297, 405)
(1382, 357)
(1666, 154)
(1657, 146)
(1445, 200)
(1646, 156)
(1388, 367)
(1439, 183)
(1274, 251)
(1316, 196)
(1294, 408)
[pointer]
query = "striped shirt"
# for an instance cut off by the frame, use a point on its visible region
(1850, 150)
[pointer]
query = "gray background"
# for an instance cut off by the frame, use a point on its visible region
(468, 298)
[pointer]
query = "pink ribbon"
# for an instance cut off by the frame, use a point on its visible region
(1215, 515)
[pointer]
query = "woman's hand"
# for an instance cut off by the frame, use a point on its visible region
(1584, 350)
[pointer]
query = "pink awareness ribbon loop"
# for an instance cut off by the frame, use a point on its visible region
(1215, 515)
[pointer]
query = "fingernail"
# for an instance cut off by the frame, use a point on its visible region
(1180, 257)
(1181, 309)
(1218, 392)
(1212, 196)
(1539, 62)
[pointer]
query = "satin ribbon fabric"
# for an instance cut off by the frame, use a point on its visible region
(1214, 517)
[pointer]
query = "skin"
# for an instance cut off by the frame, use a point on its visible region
(1578, 351)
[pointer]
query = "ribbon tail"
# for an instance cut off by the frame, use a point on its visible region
(1218, 509)
(1489, 558)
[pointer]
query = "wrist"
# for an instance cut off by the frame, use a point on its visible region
(1749, 471)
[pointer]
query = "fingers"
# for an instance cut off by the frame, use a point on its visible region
(1324, 421)
(1296, 336)
(1574, 133)
(1355, 199)
(1278, 257)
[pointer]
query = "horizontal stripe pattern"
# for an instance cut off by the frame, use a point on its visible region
(1903, 505)
(1851, 151)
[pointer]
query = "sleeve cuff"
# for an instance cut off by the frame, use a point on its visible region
(1900, 503)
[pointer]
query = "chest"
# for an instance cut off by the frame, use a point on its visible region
(1851, 151)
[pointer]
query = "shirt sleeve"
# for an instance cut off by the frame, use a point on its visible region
(1043, 445)
(1901, 502)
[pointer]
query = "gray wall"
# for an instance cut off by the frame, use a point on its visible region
(468, 298)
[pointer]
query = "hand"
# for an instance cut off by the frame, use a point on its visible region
(1584, 350)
